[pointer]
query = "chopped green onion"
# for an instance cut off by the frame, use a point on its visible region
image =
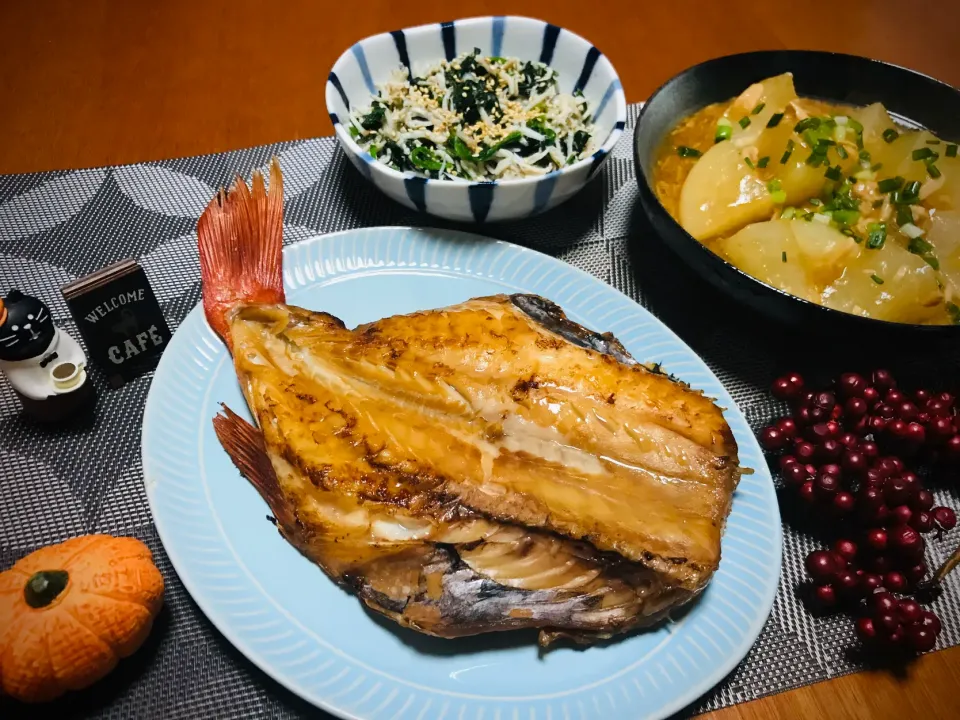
(877, 235)
(822, 218)
(876, 167)
(845, 217)
(951, 150)
(918, 246)
(842, 152)
(783, 256)
(889, 135)
(877, 204)
(954, 313)
(373, 150)
(877, 279)
(779, 197)
(904, 216)
(855, 124)
(788, 152)
(864, 155)
(749, 162)
(911, 192)
(758, 109)
(933, 142)
(934, 171)
(807, 124)
(774, 120)
(890, 184)
(922, 153)
(816, 202)
(774, 185)
(688, 152)
(834, 173)
(724, 132)
(788, 213)
(762, 162)
(808, 216)
(816, 159)
(744, 122)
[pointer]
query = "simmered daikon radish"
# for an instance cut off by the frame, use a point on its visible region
(752, 110)
(889, 283)
(793, 255)
(944, 236)
(764, 250)
(875, 121)
(824, 250)
(836, 204)
(722, 193)
(725, 188)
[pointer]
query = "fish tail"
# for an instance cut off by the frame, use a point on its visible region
(240, 237)
(245, 446)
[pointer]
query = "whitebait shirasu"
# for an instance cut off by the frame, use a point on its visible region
(475, 118)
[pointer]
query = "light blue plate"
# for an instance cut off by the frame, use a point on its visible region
(287, 617)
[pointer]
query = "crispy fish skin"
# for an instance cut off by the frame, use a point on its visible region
(487, 466)
(452, 575)
(482, 405)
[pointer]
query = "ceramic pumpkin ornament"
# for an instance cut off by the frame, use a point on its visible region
(69, 612)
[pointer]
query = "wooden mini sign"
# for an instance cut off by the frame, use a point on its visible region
(120, 320)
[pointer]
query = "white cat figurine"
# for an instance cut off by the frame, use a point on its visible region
(41, 361)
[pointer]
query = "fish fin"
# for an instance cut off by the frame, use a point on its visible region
(245, 446)
(240, 237)
(550, 316)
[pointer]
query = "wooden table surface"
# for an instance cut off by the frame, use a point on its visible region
(117, 81)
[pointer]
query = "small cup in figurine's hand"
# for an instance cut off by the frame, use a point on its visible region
(67, 376)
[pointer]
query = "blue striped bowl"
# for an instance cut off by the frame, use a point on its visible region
(370, 62)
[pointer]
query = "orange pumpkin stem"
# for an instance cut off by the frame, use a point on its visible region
(43, 587)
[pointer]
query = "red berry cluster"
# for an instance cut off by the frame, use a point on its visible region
(832, 459)
(897, 623)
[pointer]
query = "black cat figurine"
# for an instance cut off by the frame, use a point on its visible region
(45, 366)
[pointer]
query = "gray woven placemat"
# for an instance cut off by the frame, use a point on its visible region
(53, 485)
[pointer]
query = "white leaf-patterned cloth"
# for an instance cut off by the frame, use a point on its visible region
(48, 205)
(164, 191)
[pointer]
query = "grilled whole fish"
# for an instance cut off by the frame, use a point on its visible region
(486, 466)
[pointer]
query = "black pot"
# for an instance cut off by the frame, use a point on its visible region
(910, 98)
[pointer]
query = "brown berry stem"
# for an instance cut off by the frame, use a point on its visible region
(43, 587)
(948, 566)
(930, 589)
